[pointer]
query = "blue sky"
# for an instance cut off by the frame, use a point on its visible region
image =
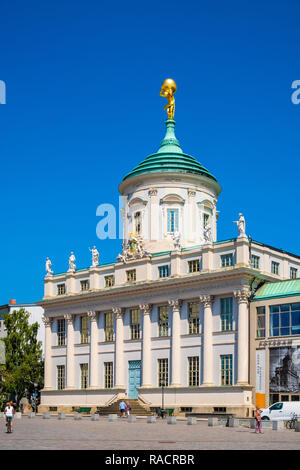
(83, 108)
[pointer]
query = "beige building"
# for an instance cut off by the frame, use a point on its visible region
(171, 312)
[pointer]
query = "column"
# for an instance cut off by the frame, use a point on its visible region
(93, 350)
(146, 364)
(48, 353)
(70, 352)
(176, 352)
(242, 297)
(208, 363)
(119, 348)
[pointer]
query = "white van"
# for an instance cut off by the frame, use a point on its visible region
(282, 410)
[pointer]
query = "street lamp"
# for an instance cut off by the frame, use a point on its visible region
(162, 411)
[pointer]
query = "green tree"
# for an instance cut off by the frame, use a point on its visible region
(23, 355)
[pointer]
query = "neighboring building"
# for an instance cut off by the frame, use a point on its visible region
(36, 314)
(173, 310)
(275, 342)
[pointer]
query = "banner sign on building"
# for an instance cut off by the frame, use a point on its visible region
(260, 398)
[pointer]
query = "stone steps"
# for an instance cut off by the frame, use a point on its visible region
(136, 408)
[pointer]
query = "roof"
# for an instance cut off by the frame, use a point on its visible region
(278, 289)
(170, 158)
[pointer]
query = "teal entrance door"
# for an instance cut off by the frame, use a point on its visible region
(134, 381)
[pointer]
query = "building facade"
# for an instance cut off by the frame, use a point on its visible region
(172, 312)
(275, 342)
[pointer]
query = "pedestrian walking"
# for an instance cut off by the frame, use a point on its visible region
(8, 416)
(258, 421)
(128, 408)
(122, 408)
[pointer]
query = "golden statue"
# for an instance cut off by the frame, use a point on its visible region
(168, 89)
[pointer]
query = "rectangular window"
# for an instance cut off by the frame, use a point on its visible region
(84, 375)
(194, 266)
(61, 289)
(293, 273)
(131, 275)
(163, 320)
(84, 285)
(109, 326)
(172, 215)
(108, 375)
(109, 281)
(193, 309)
(163, 372)
(164, 271)
(60, 377)
(260, 322)
(61, 332)
(84, 329)
(135, 323)
(274, 267)
(193, 371)
(226, 369)
(255, 261)
(205, 219)
(226, 260)
(285, 319)
(226, 314)
(138, 223)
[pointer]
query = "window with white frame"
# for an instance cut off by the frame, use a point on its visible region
(109, 326)
(226, 369)
(226, 313)
(109, 280)
(227, 260)
(255, 261)
(163, 320)
(138, 222)
(84, 285)
(135, 323)
(60, 377)
(84, 368)
(193, 319)
(61, 332)
(293, 273)
(108, 375)
(61, 289)
(164, 271)
(193, 378)
(194, 265)
(131, 275)
(172, 220)
(274, 267)
(163, 372)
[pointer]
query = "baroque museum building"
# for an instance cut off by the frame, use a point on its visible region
(172, 311)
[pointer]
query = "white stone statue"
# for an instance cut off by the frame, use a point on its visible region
(176, 240)
(48, 267)
(207, 233)
(241, 225)
(72, 265)
(95, 256)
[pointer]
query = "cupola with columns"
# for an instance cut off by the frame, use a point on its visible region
(170, 193)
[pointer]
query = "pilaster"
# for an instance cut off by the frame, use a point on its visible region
(207, 301)
(146, 310)
(176, 343)
(242, 295)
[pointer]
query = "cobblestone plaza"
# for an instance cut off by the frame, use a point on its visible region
(85, 434)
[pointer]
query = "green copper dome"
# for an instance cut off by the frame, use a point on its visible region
(170, 158)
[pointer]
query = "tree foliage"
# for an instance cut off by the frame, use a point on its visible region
(23, 355)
